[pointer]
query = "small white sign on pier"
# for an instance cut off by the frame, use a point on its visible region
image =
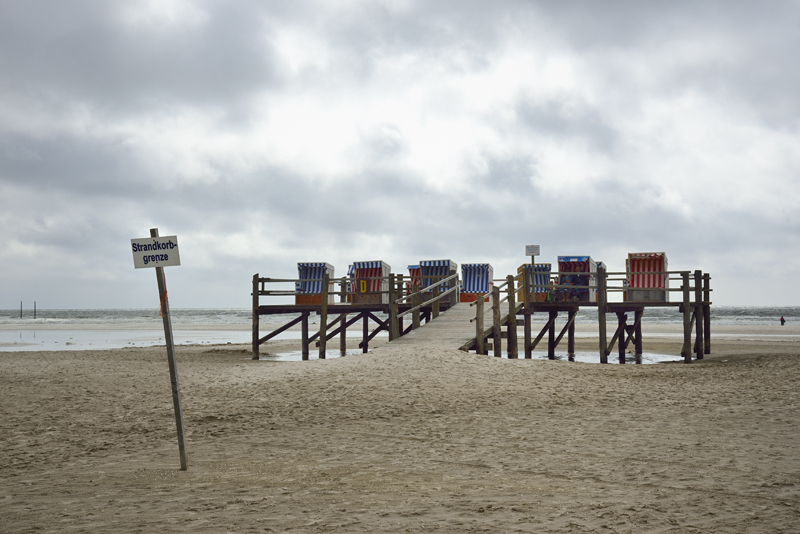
(155, 252)
(531, 250)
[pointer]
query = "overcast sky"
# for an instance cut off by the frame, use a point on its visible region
(267, 133)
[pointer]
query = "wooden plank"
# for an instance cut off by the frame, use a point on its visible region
(452, 329)
(280, 329)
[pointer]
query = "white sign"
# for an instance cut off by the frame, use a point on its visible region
(155, 252)
(531, 250)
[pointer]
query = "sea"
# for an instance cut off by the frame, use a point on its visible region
(88, 329)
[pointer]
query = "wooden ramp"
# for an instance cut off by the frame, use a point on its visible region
(451, 330)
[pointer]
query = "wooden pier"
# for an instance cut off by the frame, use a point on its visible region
(482, 325)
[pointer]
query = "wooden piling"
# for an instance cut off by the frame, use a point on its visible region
(255, 317)
(622, 319)
(365, 342)
(526, 329)
(698, 304)
(707, 313)
(527, 334)
(323, 318)
(687, 318)
(513, 352)
(637, 333)
(394, 329)
(551, 340)
(480, 342)
(304, 334)
(571, 335)
(602, 305)
(496, 333)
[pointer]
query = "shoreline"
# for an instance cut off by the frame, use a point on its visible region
(658, 339)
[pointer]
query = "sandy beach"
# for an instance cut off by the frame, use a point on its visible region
(403, 441)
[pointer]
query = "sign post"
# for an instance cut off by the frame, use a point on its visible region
(160, 252)
(532, 251)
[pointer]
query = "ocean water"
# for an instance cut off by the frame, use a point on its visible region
(116, 328)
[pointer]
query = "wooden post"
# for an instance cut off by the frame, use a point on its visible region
(394, 329)
(527, 294)
(436, 305)
(513, 352)
(602, 305)
(527, 333)
(343, 334)
(480, 342)
(622, 319)
(687, 318)
(255, 316)
(365, 332)
(571, 335)
(173, 364)
(304, 335)
(707, 313)
(699, 322)
(551, 338)
(323, 317)
(343, 318)
(496, 333)
(637, 340)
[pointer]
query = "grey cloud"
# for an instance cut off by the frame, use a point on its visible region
(560, 119)
(79, 51)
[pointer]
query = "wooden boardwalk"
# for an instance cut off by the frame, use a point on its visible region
(451, 330)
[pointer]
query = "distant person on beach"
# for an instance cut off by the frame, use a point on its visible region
(783, 321)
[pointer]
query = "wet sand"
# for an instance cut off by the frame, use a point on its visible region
(402, 441)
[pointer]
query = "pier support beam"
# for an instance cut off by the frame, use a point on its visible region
(571, 335)
(304, 334)
(622, 320)
(637, 333)
(255, 317)
(480, 342)
(602, 300)
(527, 334)
(497, 335)
(323, 318)
(687, 320)
(513, 352)
(699, 308)
(707, 313)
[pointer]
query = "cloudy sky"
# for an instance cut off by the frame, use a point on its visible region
(267, 133)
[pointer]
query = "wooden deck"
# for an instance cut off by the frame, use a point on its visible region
(451, 330)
